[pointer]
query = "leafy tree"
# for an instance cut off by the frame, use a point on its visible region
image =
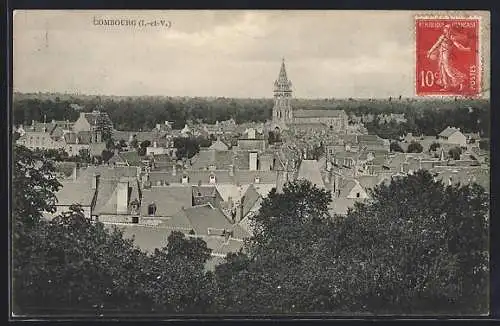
(110, 144)
(395, 147)
(134, 143)
(106, 155)
(455, 153)
(34, 184)
(274, 273)
(434, 146)
(187, 147)
(484, 144)
(142, 151)
(415, 147)
(145, 144)
(414, 251)
(84, 155)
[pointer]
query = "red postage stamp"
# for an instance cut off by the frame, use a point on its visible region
(448, 56)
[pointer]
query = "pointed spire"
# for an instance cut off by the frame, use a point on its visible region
(282, 76)
(282, 84)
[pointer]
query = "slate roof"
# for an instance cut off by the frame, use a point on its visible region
(169, 200)
(205, 217)
(146, 238)
(250, 197)
(106, 197)
(448, 132)
(219, 145)
(205, 158)
(176, 222)
(204, 191)
(75, 193)
(313, 113)
(96, 149)
(309, 170)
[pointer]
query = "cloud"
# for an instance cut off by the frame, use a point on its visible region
(215, 53)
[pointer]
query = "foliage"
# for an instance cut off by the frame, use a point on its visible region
(405, 251)
(187, 147)
(455, 153)
(411, 250)
(434, 146)
(106, 155)
(415, 147)
(395, 147)
(427, 117)
(484, 144)
(415, 247)
(34, 184)
(145, 144)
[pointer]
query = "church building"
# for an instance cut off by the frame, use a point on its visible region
(285, 117)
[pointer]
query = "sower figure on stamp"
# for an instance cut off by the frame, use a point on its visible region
(449, 76)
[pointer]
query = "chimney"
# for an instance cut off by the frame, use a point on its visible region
(253, 161)
(32, 123)
(155, 144)
(251, 133)
(231, 170)
(158, 126)
(95, 180)
(174, 169)
(122, 196)
(239, 210)
(75, 172)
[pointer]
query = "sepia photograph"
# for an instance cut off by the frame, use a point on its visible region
(182, 163)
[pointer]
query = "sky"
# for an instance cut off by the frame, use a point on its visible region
(339, 54)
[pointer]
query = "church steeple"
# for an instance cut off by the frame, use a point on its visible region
(282, 110)
(282, 84)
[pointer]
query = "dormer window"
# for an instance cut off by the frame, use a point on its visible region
(212, 179)
(152, 209)
(257, 180)
(185, 179)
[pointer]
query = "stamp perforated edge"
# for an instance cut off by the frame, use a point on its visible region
(480, 31)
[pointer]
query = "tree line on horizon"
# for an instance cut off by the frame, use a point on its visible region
(416, 247)
(134, 114)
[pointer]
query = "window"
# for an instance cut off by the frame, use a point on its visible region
(135, 219)
(152, 209)
(357, 195)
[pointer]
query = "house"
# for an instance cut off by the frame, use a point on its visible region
(118, 200)
(206, 194)
(96, 123)
(219, 145)
(310, 170)
(40, 140)
(453, 136)
(165, 202)
(77, 192)
(345, 193)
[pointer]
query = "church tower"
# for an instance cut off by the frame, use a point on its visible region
(282, 110)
